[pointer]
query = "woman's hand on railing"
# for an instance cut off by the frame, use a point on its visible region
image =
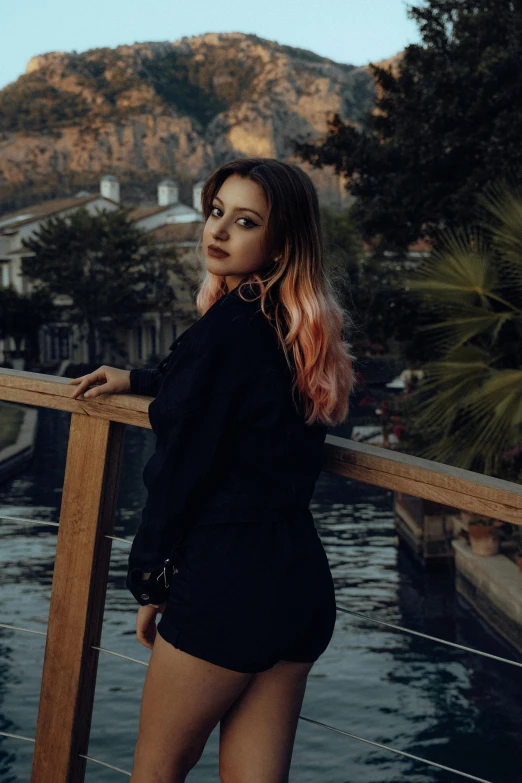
(104, 380)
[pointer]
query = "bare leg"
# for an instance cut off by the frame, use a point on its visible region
(257, 733)
(183, 699)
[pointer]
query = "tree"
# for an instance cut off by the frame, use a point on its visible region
(22, 315)
(370, 288)
(469, 406)
(447, 123)
(104, 264)
(342, 244)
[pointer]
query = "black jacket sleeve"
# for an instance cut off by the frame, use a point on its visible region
(146, 380)
(198, 402)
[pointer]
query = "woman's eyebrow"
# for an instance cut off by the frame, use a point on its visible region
(242, 209)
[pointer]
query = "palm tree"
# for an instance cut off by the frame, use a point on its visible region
(469, 405)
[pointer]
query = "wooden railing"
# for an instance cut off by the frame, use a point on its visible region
(83, 550)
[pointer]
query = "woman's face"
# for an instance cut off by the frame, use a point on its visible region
(236, 225)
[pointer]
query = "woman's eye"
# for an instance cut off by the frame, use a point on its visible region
(248, 221)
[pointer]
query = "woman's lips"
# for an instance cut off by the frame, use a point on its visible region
(216, 253)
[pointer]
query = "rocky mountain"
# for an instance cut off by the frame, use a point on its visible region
(177, 109)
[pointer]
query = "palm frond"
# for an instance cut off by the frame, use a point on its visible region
(470, 411)
(490, 421)
(447, 383)
(458, 270)
(500, 395)
(504, 224)
(458, 331)
(504, 204)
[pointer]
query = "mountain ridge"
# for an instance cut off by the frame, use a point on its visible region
(178, 109)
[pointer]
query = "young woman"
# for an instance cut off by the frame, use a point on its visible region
(227, 552)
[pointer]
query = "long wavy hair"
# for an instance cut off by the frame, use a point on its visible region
(296, 294)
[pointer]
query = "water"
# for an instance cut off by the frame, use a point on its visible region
(450, 706)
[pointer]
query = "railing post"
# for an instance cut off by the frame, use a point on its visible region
(77, 599)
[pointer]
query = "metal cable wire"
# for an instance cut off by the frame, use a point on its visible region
(30, 521)
(16, 736)
(104, 764)
(400, 752)
(123, 540)
(89, 758)
(309, 720)
(56, 524)
(339, 609)
(431, 638)
(119, 655)
(18, 628)
(101, 649)
(301, 717)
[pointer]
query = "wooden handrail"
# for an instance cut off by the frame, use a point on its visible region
(358, 461)
(90, 490)
(51, 391)
(424, 479)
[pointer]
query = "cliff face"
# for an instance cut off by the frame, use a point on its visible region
(170, 109)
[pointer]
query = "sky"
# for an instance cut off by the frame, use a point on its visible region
(347, 31)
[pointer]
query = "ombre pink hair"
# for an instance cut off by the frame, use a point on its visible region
(295, 292)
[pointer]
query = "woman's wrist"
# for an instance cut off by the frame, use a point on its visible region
(156, 606)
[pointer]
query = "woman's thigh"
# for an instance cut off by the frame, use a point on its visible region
(183, 699)
(257, 733)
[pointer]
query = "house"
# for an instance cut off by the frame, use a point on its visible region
(180, 224)
(169, 209)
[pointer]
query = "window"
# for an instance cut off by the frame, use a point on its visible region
(59, 342)
(63, 341)
(139, 342)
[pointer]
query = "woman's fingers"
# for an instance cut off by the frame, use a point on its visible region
(97, 378)
(146, 625)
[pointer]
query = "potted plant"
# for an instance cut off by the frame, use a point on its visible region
(483, 536)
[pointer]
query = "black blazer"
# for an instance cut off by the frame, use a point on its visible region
(231, 443)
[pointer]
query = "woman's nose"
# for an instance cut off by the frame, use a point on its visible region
(220, 231)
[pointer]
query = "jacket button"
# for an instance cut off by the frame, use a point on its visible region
(145, 596)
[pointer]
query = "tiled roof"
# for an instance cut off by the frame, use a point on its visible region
(142, 212)
(178, 232)
(22, 251)
(38, 211)
(176, 209)
(420, 246)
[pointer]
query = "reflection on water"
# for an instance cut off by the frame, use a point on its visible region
(453, 707)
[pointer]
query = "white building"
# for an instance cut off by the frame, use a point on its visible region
(58, 341)
(169, 209)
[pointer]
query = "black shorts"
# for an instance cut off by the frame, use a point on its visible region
(249, 594)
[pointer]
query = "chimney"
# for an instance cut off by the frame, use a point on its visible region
(168, 193)
(110, 187)
(196, 195)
